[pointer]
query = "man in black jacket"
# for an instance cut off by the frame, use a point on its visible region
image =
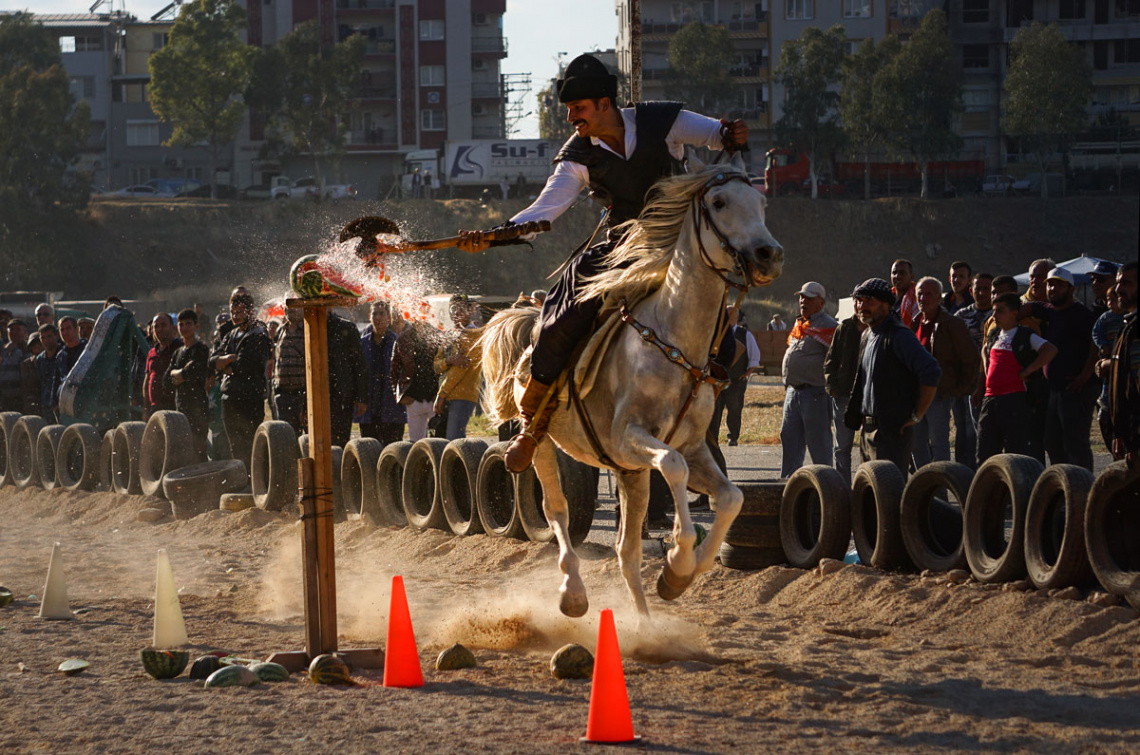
(348, 377)
(840, 367)
(241, 358)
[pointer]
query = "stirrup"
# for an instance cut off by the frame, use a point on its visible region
(520, 452)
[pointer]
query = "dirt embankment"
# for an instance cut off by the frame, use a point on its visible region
(195, 249)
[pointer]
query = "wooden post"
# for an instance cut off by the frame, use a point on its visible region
(309, 549)
(635, 50)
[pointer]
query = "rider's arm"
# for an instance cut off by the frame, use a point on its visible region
(701, 131)
(559, 193)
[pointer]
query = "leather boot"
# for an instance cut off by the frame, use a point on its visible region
(536, 409)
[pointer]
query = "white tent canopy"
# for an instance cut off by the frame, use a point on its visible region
(1080, 267)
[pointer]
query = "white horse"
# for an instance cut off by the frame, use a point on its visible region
(700, 235)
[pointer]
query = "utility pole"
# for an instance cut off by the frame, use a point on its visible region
(635, 50)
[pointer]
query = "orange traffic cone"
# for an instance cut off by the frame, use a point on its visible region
(610, 720)
(401, 659)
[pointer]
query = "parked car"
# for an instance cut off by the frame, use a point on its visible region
(139, 190)
(224, 192)
(1031, 184)
(757, 182)
(997, 185)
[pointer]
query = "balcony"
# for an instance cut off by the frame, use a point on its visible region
(754, 70)
(489, 44)
(380, 47)
(486, 91)
(486, 132)
(350, 5)
(376, 138)
(743, 27)
(376, 93)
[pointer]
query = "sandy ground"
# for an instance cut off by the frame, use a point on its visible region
(781, 659)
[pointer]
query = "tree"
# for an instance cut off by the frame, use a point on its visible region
(808, 71)
(699, 59)
(197, 80)
(42, 130)
(864, 126)
(304, 88)
(1047, 89)
(919, 93)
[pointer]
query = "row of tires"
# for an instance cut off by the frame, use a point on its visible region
(1058, 526)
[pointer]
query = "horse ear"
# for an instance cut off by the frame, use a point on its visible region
(738, 162)
(696, 165)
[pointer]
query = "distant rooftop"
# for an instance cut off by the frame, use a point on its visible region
(90, 20)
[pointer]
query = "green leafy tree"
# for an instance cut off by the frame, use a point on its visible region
(919, 93)
(42, 130)
(1047, 90)
(197, 81)
(863, 125)
(699, 60)
(809, 71)
(305, 89)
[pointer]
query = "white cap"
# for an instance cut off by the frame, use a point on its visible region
(1061, 274)
(812, 289)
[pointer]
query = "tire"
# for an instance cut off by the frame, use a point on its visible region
(755, 533)
(77, 458)
(528, 501)
(167, 445)
(423, 504)
(1003, 480)
(47, 443)
(1055, 528)
(106, 455)
(22, 458)
(1112, 531)
(339, 513)
(389, 509)
(876, 502)
(815, 516)
(125, 458)
(358, 473)
(580, 486)
(8, 422)
(458, 481)
(198, 488)
(303, 445)
(749, 559)
(273, 476)
(931, 527)
(495, 495)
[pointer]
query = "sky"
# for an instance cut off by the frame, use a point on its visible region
(535, 35)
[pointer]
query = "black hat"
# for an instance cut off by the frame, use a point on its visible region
(876, 288)
(587, 79)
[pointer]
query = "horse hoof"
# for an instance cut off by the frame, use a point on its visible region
(671, 589)
(573, 607)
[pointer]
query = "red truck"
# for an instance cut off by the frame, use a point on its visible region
(786, 174)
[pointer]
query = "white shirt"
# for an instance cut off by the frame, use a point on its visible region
(753, 349)
(569, 178)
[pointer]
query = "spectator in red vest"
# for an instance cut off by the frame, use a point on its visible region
(158, 394)
(906, 296)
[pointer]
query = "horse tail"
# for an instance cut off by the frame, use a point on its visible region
(505, 337)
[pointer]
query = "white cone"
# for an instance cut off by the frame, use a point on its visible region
(54, 603)
(169, 628)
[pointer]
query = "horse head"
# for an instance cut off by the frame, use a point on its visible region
(730, 223)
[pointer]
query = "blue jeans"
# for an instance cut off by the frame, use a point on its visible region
(806, 426)
(932, 435)
(1068, 422)
(844, 437)
(458, 414)
(966, 432)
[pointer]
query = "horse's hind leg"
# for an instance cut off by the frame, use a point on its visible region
(573, 601)
(633, 489)
(705, 477)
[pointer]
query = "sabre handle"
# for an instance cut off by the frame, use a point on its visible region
(512, 234)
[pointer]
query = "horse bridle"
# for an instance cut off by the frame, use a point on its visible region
(701, 214)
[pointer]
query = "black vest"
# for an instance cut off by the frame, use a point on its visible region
(739, 366)
(621, 184)
(895, 387)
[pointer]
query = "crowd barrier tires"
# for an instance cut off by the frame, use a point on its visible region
(876, 503)
(999, 494)
(528, 500)
(235, 502)
(580, 486)
(106, 458)
(198, 488)
(125, 458)
(1112, 531)
(167, 445)
(358, 473)
(389, 508)
(423, 504)
(8, 422)
(340, 514)
(753, 539)
(815, 516)
(1055, 528)
(458, 481)
(303, 444)
(77, 458)
(273, 476)
(932, 527)
(495, 495)
(22, 457)
(47, 443)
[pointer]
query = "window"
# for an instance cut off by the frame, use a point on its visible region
(1127, 51)
(976, 100)
(142, 175)
(433, 120)
(800, 10)
(80, 44)
(82, 86)
(431, 76)
(978, 11)
(67, 44)
(142, 134)
(431, 30)
(1072, 9)
(975, 56)
(851, 46)
(1127, 8)
(159, 40)
(856, 8)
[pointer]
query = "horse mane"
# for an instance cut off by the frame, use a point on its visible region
(637, 266)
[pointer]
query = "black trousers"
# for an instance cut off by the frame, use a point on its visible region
(385, 432)
(1003, 425)
(198, 415)
(888, 444)
(564, 322)
(732, 400)
(241, 417)
(340, 417)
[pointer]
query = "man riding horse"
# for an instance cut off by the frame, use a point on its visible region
(619, 154)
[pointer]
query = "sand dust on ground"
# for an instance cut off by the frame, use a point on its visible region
(782, 659)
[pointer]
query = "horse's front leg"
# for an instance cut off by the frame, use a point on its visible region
(705, 477)
(633, 494)
(573, 601)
